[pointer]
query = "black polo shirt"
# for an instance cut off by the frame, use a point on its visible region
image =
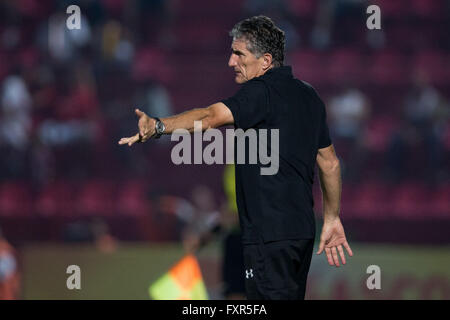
(279, 206)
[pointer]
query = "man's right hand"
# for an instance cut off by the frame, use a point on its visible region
(146, 129)
(130, 140)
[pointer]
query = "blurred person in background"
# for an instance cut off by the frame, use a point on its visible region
(9, 274)
(335, 22)
(198, 216)
(95, 231)
(73, 124)
(227, 228)
(278, 11)
(202, 218)
(349, 112)
(420, 136)
(103, 239)
(15, 125)
(155, 99)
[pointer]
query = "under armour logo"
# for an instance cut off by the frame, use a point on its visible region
(249, 273)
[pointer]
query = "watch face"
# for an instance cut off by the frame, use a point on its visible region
(160, 127)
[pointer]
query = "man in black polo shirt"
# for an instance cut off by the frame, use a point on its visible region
(275, 210)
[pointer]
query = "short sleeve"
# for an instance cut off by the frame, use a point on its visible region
(324, 135)
(249, 105)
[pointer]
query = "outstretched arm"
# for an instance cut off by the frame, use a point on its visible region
(213, 116)
(333, 236)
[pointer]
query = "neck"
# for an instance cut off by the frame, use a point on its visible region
(264, 71)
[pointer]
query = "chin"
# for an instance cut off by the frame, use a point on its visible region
(239, 79)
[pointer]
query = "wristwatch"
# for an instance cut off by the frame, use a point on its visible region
(159, 128)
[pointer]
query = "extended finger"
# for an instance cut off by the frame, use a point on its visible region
(341, 253)
(133, 140)
(335, 256)
(347, 247)
(321, 246)
(124, 140)
(139, 113)
(329, 257)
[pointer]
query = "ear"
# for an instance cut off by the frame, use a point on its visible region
(267, 61)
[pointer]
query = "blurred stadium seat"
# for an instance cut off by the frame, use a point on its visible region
(369, 201)
(132, 198)
(410, 200)
(378, 133)
(56, 199)
(388, 68)
(15, 199)
(345, 65)
(434, 64)
(97, 198)
(309, 65)
(432, 10)
(439, 202)
(393, 9)
(303, 9)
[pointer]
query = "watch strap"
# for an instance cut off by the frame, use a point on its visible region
(157, 133)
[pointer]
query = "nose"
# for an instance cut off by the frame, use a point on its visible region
(232, 61)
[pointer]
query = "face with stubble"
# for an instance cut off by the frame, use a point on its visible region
(246, 65)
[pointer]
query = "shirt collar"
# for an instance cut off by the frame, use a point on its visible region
(283, 70)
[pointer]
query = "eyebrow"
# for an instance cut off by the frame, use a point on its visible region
(237, 52)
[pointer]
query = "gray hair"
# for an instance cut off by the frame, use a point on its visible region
(262, 36)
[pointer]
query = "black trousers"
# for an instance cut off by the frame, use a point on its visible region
(233, 264)
(277, 270)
